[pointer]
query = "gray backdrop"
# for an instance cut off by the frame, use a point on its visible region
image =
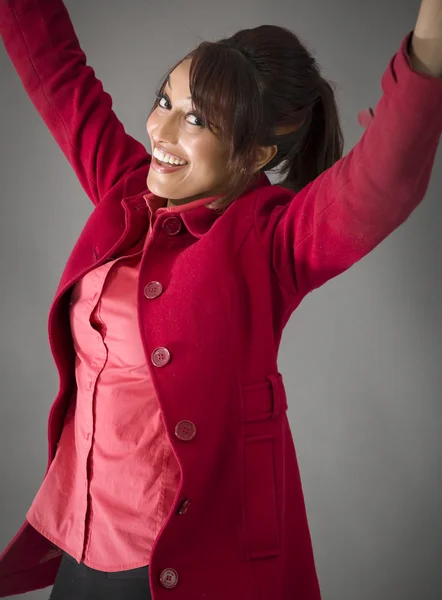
(361, 357)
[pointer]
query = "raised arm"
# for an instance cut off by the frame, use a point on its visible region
(350, 208)
(39, 37)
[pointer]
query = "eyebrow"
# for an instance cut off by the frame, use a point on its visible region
(170, 85)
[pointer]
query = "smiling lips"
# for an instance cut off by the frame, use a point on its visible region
(164, 166)
(164, 156)
(161, 167)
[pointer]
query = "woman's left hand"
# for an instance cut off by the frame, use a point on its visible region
(426, 43)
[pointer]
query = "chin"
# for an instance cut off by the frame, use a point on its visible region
(153, 186)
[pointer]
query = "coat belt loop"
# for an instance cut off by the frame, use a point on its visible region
(275, 395)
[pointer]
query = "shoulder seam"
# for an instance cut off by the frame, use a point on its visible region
(269, 258)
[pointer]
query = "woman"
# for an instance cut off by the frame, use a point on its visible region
(172, 471)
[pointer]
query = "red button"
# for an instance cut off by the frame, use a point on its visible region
(169, 578)
(185, 430)
(153, 290)
(160, 357)
(172, 225)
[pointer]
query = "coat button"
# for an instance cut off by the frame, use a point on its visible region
(153, 290)
(185, 430)
(169, 578)
(172, 225)
(160, 357)
(183, 508)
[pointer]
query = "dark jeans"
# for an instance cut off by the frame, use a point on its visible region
(78, 582)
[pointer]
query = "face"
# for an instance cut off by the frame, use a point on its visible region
(175, 128)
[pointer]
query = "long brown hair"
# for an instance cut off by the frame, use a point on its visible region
(262, 87)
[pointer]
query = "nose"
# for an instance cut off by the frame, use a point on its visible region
(166, 128)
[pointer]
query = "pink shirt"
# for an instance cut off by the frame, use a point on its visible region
(114, 477)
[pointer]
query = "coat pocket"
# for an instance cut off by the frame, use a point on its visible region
(263, 406)
(260, 500)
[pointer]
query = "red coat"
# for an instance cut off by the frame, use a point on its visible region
(231, 283)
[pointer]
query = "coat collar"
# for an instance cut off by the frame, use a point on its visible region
(197, 217)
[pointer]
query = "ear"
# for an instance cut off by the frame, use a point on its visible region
(265, 155)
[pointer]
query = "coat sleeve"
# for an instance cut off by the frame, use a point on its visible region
(351, 207)
(41, 42)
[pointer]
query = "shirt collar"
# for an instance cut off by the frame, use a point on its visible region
(159, 205)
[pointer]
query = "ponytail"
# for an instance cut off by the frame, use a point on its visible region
(319, 144)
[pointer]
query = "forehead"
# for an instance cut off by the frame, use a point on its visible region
(178, 80)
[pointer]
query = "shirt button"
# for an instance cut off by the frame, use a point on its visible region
(172, 225)
(169, 578)
(153, 290)
(160, 357)
(185, 430)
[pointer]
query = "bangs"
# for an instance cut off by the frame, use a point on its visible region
(225, 94)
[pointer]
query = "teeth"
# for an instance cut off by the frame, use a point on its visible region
(167, 158)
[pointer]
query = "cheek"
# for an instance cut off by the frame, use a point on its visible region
(208, 156)
(151, 124)
(216, 165)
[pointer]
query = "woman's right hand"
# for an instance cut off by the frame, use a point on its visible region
(40, 39)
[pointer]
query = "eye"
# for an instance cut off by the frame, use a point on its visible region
(198, 123)
(161, 97)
